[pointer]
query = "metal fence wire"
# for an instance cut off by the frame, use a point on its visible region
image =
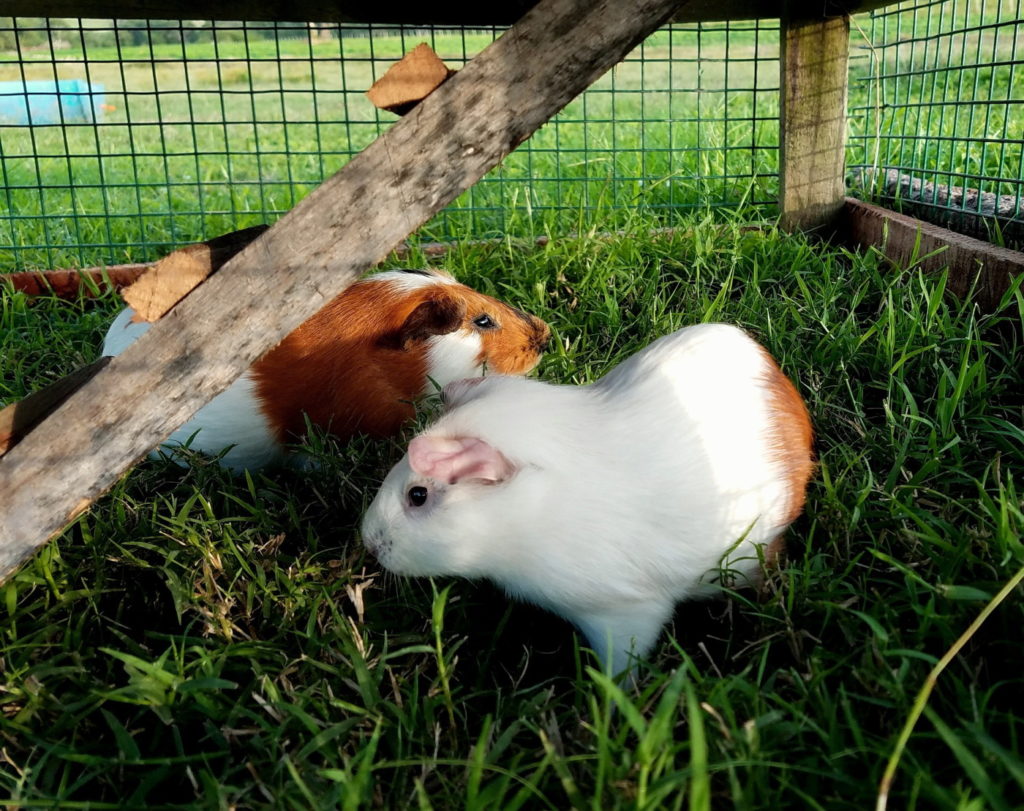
(145, 136)
(120, 140)
(937, 113)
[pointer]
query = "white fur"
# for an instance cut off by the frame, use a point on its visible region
(232, 419)
(123, 333)
(405, 281)
(628, 494)
(452, 357)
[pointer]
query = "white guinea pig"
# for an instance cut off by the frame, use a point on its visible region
(606, 503)
(357, 365)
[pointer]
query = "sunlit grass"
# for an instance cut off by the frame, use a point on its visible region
(203, 640)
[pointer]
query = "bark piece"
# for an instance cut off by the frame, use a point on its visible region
(178, 273)
(410, 80)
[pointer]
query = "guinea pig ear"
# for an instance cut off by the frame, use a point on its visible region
(438, 315)
(455, 460)
(458, 391)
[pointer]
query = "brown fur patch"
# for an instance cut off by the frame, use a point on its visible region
(356, 365)
(792, 443)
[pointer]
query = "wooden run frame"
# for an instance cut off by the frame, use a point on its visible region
(309, 256)
(424, 161)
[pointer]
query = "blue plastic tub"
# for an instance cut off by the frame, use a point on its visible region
(39, 103)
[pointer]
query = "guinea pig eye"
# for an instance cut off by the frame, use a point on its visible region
(484, 321)
(417, 496)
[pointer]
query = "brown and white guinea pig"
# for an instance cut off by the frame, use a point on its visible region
(357, 365)
(609, 503)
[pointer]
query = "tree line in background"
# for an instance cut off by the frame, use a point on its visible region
(41, 33)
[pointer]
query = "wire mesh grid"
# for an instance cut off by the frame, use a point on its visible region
(937, 113)
(120, 140)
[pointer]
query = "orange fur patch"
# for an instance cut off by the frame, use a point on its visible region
(351, 368)
(792, 442)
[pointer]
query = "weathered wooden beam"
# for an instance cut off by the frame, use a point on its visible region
(964, 209)
(397, 12)
(425, 160)
(18, 419)
(812, 119)
(976, 267)
(67, 284)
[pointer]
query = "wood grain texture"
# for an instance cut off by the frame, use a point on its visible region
(401, 12)
(812, 120)
(976, 268)
(18, 419)
(309, 256)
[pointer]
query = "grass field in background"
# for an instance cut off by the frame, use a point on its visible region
(198, 640)
(210, 136)
(238, 133)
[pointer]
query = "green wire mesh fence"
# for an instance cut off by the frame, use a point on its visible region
(937, 113)
(182, 131)
(186, 131)
(120, 140)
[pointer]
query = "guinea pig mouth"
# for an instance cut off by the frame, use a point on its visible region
(377, 545)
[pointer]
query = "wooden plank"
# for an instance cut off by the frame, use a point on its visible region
(351, 222)
(964, 209)
(812, 120)
(18, 419)
(67, 284)
(976, 267)
(402, 12)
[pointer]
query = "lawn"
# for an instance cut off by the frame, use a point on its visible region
(205, 641)
(197, 639)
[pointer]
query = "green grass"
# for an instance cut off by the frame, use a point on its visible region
(198, 640)
(205, 641)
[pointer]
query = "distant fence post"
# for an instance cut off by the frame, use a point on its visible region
(812, 118)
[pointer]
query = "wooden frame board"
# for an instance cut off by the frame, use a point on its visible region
(309, 256)
(976, 268)
(405, 12)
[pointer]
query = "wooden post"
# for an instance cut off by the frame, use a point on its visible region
(308, 257)
(812, 119)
